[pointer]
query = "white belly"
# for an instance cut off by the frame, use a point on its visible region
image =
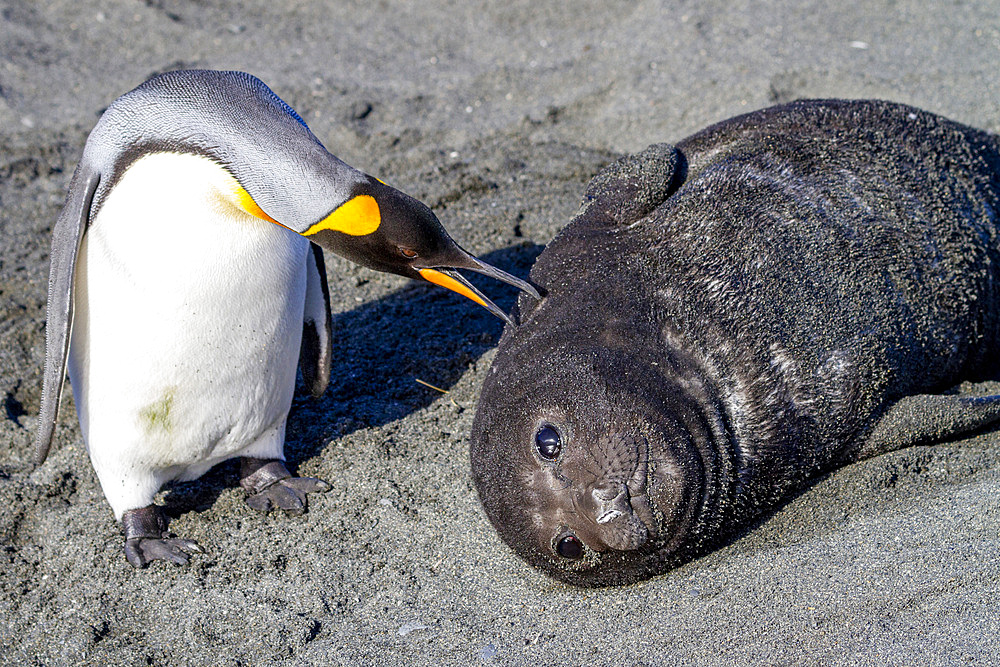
(187, 329)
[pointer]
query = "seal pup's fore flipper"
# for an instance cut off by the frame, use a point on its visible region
(926, 419)
(315, 359)
(635, 185)
(67, 236)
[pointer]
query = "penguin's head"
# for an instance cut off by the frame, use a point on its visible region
(280, 172)
(387, 230)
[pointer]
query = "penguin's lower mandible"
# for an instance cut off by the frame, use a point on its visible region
(778, 295)
(184, 289)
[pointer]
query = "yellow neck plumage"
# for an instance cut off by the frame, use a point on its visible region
(357, 216)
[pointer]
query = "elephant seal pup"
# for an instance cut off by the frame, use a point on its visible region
(778, 295)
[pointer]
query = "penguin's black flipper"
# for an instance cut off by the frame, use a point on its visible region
(929, 418)
(315, 359)
(635, 185)
(66, 238)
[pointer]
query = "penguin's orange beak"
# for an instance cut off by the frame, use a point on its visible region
(456, 282)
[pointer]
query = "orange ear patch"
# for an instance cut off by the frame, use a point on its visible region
(357, 216)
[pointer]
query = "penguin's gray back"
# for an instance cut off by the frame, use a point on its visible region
(232, 118)
(806, 269)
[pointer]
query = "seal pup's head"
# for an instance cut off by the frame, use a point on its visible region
(594, 464)
(596, 444)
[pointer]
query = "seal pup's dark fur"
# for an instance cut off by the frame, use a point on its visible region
(778, 295)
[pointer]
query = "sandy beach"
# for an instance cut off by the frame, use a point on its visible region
(496, 115)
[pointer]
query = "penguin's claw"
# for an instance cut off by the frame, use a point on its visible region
(146, 539)
(140, 551)
(269, 485)
(287, 494)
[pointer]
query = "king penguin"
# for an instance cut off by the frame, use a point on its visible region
(187, 283)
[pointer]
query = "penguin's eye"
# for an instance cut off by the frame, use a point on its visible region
(548, 442)
(408, 253)
(570, 547)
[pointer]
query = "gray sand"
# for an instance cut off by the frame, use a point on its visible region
(496, 115)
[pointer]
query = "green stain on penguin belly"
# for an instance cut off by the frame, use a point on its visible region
(156, 416)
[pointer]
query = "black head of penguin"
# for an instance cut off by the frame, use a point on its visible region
(281, 173)
(387, 230)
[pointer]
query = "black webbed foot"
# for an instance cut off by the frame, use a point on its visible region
(269, 484)
(146, 539)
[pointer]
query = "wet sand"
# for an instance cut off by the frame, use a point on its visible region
(495, 116)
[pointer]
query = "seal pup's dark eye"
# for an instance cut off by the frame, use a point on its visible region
(570, 547)
(548, 443)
